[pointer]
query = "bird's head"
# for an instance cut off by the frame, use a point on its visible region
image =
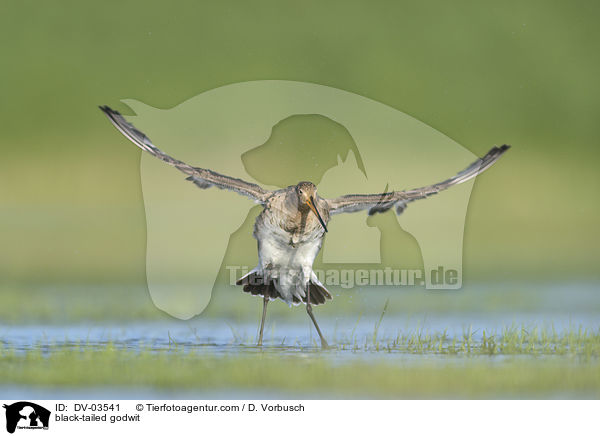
(307, 193)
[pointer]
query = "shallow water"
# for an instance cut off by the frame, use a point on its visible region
(216, 337)
(292, 334)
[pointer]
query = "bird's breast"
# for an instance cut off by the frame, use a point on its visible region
(287, 230)
(282, 243)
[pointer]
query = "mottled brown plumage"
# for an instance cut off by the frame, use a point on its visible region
(293, 223)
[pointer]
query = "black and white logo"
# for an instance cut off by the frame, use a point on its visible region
(26, 415)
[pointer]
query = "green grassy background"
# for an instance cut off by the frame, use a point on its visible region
(483, 73)
(316, 377)
(72, 223)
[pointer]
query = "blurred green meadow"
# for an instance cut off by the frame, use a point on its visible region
(73, 229)
(270, 374)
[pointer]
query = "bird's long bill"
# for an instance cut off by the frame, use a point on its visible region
(313, 207)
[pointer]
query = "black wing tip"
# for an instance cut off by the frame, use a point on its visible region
(108, 111)
(496, 152)
(501, 150)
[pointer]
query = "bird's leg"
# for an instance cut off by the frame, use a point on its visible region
(324, 344)
(262, 321)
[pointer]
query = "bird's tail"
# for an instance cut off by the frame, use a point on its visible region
(256, 284)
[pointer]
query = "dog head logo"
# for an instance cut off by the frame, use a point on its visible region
(275, 133)
(24, 414)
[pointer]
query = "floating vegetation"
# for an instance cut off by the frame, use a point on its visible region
(581, 342)
(462, 370)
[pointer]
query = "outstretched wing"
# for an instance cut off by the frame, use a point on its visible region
(382, 202)
(201, 177)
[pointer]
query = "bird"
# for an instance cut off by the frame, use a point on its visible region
(294, 221)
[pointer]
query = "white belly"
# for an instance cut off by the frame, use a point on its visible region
(287, 259)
